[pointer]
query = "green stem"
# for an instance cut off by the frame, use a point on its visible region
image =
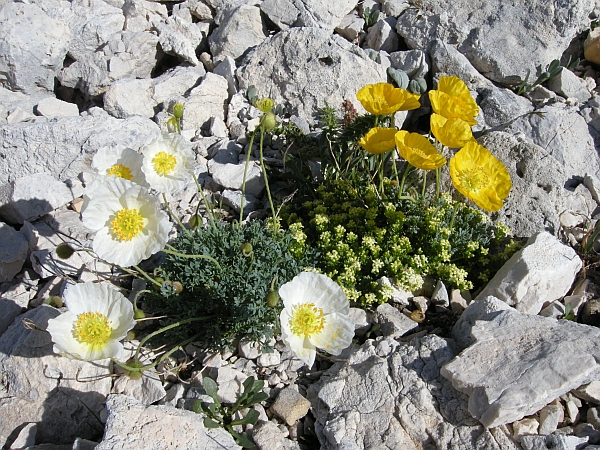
(437, 182)
(135, 308)
(143, 274)
(209, 211)
(173, 251)
(404, 175)
(245, 171)
(262, 165)
(424, 184)
(175, 218)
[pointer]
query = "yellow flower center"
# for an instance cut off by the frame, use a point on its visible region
(474, 179)
(127, 224)
(119, 170)
(92, 328)
(307, 320)
(164, 163)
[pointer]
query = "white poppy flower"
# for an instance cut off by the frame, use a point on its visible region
(129, 227)
(98, 318)
(168, 163)
(120, 161)
(315, 315)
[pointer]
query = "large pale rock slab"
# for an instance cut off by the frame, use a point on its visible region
(542, 271)
(32, 196)
(55, 392)
(207, 100)
(33, 47)
(479, 31)
(181, 38)
(13, 252)
(128, 97)
(64, 147)
(53, 107)
(520, 363)
(410, 406)
(176, 82)
(131, 423)
(569, 85)
(142, 15)
(307, 13)
(240, 28)
(302, 68)
(230, 176)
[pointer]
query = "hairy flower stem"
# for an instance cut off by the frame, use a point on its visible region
(437, 182)
(404, 175)
(173, 251)
(143, 275)
(175, 218)
(262, 165)
(137, 295)
(424, 184)
(209, 210)
(245, 172)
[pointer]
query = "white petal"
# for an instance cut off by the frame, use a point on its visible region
(302, 348)
(311, 287)
(336, 335)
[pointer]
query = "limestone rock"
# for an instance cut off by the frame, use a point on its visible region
(521, 362)
(479, 32)
(554, 441)
(9, 310)
(290, 405)
(130, 423)
(240, 28)
(63, 147)
(350, 27)
(307, 13)
(393, 322)
(32, 196)
(411, 403)
(13, 252)
(382, 36)
(176, 82)
(53, 107)
(569, 85)
(207, 100)
(38, 386)
(301, 68)
(179, 37)
(230, 176)
(542, 271)
(591, 46)
(414, 62)
(267, 436)
(33, 47)
(147, 389)
(128, 97)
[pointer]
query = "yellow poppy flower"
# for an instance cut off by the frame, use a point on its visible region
(418, 151)
(454, 132)
(384, 98)
(378, 140)
(453, 99)
(480, 176)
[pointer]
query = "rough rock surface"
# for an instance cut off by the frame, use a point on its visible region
(130, 423)
(520, 362)
(391, 395)
(301, 68)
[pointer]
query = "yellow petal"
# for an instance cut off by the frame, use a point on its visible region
(378, 140)
(453, 99)
(480, 176)
(418, 151)
(384, 98)
(453, 133)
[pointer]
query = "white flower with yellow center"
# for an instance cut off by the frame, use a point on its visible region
(315, 315)
(121, 162)
(129, 227)
(98, 318)
(168, 163)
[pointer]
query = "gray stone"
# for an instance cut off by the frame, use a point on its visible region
(440, 295)
(307, 13)
(176, 82)
(55, 392)
(230, 176)
(9, 311)
(393, 8)
(302, 68)
(239, 29)
(147, 389)
(63, 147)
(179, 37)
(350, 27)
(13, 252)
(26, 437)
(361, 319)
(226, 68)
(542, 271)
(207, 100)
(269, 359)
(32, 196)
(569, 85)
(130, 423)
(553, 441)
(290, 405)
(393, 322)
(556, 309)
(520, 362)
(479, 32)
(550, 416)
(590, 392)
(382, 37)
(414, 62)
(248, 349)
(267, 436)
(233, 199)
(26, 26)
(53, 107)
(128, 97)
(409, 405)
(500, 106)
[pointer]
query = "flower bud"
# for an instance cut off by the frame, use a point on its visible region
(172, 125)
(160, 281)
(131, 335)
(178, 110)
(246, 249)
(64, 251)
(268, 121)
(176, 285)
(134, 374)
(55, 301)
(138, 314)
(195, 221)
(272, 299)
